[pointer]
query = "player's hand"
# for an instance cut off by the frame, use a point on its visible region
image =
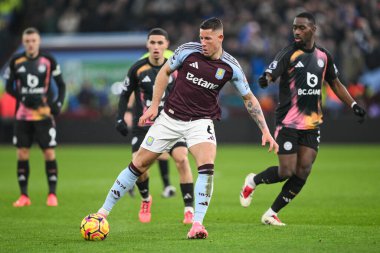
(55, 108)
(360, 112)
(122, 127)
(263, 82)
(150, 114)
(267, 137)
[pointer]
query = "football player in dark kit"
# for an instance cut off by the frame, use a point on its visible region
(302, 67)
(203, 69)
(28, 79)
(140, 81)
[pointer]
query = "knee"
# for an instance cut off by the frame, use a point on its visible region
(49, 154)
(23, 154)
(303, 172)
(181, 162)
(285, 172)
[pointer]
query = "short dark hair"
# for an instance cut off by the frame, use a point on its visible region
(31, 30)
(212, 23)
(159, 31)
(307, 15)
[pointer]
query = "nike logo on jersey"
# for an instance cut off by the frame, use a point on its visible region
(21, 69)
(194, 65)
(299, 65)
(146, 79)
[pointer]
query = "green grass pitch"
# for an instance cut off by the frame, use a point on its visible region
(337, 211)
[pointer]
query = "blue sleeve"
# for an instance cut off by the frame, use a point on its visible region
(182, 52)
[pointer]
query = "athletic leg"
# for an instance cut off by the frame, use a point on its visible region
(180, 156)
(128, 177)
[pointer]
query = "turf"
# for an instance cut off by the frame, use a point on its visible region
(337, 211)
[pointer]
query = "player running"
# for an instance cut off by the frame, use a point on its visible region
(28, 79)
(140, 81)
(203, 69)
(302, 67)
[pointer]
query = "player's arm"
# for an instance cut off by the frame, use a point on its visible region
(342, 93)
(56, 106)
(256, 113)
(10, 78)
(338, 88)
(130, 84)
(160, 85)
(276, 67)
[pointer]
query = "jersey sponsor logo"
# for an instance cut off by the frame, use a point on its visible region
(312, 80)
(146, 79)
(220, 73)
(21, 69)
(299, 65)
(201, 82)
(273, 65)
(194, 65)
(41, 68)
(31, 80)
(321, 63)
(305, 92)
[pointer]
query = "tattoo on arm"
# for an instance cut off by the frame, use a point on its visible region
(256, 114)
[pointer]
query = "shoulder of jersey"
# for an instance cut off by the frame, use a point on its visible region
(195, 46)
(139, 63)
(322, 49)
(230, 59)
(46, 54)
(16, 56)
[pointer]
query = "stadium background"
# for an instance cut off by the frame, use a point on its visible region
(96, 42)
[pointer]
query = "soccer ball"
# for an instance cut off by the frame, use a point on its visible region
(94, 227)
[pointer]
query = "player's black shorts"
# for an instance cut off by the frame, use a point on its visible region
(289, 139)
(138, 135)
(43, 131)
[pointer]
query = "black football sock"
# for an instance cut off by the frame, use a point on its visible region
(164, 171)
(143, 188)
(188, 194)
(289, 191)
(52, 175)
(23, 176)
(268, 176)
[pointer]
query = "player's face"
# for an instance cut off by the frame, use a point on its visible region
(31, 44)
(157, 44)
(303, 32)
(211, 42)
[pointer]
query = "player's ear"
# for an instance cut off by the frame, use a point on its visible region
(221, 37)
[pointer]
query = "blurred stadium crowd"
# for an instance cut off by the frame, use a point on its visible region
(254, 31)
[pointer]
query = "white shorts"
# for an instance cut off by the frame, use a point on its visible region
(166, 131)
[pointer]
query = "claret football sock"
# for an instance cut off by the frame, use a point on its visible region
(124, 182)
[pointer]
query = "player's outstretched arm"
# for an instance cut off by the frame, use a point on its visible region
(346, 98)
(162, 80)
(254, 110)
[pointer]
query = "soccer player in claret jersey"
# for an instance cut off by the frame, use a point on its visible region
(140, 81)
(302, 67)
(28, 79)
(203, 69)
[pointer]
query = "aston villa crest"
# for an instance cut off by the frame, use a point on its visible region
(220, 73)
